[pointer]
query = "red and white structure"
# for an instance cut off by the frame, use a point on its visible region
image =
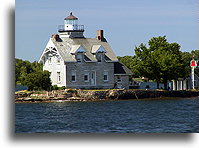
(193, 65)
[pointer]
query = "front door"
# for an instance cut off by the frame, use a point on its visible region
(119, 82)
(93, 77)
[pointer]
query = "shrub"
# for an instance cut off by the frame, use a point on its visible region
(38, 80)
(55, 87)
(62, 88)
(73, 91)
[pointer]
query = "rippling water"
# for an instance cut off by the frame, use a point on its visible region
(132, 116)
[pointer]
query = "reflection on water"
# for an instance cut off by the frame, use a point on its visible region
(132, 116)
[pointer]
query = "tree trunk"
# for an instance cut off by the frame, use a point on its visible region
(165, 84)
(158, 84)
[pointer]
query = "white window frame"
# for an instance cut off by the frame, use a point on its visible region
(73, 73)
(50, 60)
(81, 57)
(58, 61)
(105, 73)
(86, 73)
(101, 56)
(119, 78)
(58, 77)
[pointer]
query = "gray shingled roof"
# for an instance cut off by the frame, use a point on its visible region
(64, 48)
(76, 48)
(120, 68)
(96, 48)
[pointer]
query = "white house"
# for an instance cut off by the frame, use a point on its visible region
(78, 62)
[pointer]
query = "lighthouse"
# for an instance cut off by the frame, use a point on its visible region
(71, 29)
(75, 61)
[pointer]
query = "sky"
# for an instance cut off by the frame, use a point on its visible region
(126, 23)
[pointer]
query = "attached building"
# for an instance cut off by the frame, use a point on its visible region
(78, 62)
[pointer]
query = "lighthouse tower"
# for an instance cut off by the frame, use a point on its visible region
(71, 29)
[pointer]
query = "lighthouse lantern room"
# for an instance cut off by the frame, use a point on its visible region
(71, 22)
(71, 28)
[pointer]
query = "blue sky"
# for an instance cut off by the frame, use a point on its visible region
(126, 23)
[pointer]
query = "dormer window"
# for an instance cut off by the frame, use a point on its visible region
(78, 51)
(98, 51)
(97, 48)
(79, 57)
(99, 57)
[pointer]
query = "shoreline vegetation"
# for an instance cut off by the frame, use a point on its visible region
(97, 95)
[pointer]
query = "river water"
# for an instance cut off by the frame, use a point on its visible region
(129, 116)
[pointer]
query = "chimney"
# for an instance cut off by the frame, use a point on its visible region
(100, 35)
(56, 37)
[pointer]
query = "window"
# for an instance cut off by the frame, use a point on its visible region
(105, 75)
(50, 60)
(119, 79)
(73, 76)
(58, 77)
(86, 76)
(99, 57)
(58, 60)
(79, 57)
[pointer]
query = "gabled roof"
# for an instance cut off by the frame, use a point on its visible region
(77, 48)
(120, 68)
(97, 48)
(70, 45)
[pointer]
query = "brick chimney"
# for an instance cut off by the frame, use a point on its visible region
(100, 35)
(56, 37)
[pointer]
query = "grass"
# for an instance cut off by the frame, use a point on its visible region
(23, 91)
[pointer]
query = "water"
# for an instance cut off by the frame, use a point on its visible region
(132, 116)
(20, 87)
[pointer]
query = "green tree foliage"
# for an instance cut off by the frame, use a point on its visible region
(195, 53)
(31, 75)
(187, 57)
(38, 80)
(129, 61)
(160, 53)
(161, 61)
(126, 60)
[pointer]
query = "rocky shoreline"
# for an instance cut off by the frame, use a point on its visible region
(95, 95)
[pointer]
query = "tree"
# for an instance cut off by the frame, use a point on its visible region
(31, 75)
(186, 58)
(161, 61)
(39, 80)
(129, 61)
(126, 60)
(195, 53)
